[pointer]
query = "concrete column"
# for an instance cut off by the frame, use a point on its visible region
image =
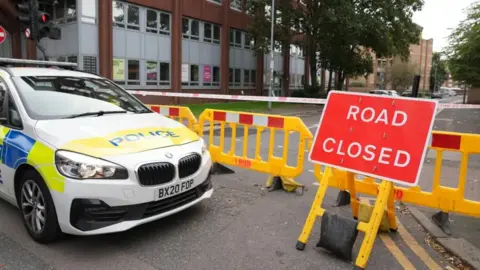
(105, 38)
(176, 41)
(225, 48)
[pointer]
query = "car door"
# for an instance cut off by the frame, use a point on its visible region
(3, 91)
(12, 140)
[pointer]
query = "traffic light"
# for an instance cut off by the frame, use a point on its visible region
(37, 23)
(25, 14)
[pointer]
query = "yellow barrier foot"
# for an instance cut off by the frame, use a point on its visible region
(338, 235)
(365, 213)
(300, 245)
(218, 168)
(285, 183)
(442, 221)
(343, 198)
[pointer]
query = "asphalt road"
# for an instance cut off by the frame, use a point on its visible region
(242, 227)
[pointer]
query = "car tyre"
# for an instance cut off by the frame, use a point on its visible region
(37, 208)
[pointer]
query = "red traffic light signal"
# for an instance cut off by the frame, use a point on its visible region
(43, 17)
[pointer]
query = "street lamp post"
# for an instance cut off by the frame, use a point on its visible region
(272, 62)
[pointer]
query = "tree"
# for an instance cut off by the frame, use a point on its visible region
(342, 32)
(438, 73)
(464, 48)
(400, 74)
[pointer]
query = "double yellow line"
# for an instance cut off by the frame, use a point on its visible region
(411, 243)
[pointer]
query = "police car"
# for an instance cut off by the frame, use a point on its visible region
(80, 155)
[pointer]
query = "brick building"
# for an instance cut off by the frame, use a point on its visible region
(198, 46)
(420, 57)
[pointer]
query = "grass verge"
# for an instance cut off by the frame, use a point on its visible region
(253, 106)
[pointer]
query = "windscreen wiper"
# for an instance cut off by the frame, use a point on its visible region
(97, 113)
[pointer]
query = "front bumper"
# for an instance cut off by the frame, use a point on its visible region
(88, 215)
(107, 206)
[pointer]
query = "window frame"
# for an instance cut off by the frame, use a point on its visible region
(212, 38)
(232, 78)
(5, 112)
(125, 24)
(158, 29)
(189, 31)
(236, 5)
(234, 43)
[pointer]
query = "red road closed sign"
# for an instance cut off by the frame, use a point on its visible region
(3, 34)
(379, 136)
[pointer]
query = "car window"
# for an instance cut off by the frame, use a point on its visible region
(54, 97)
(3, 89)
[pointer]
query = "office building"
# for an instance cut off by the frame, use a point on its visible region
(194, 46)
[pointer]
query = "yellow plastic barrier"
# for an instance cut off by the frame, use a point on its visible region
(179, 113)
(278, 169)
(446, 199)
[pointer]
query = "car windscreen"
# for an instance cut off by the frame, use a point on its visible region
(55, 97)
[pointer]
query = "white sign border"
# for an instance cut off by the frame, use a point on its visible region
(5, 36)
(396, 181)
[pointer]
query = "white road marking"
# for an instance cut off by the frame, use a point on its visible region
(316, 184)
(313, 126)
(311, 171)
(280, 146)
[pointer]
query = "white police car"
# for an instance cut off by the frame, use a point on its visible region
(80, 155)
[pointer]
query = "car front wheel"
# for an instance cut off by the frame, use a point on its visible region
(37, 208)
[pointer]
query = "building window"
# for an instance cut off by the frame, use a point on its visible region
(235, 77)
(119, 71)
(246, 77)
(216, 76)
(248, 41)
(211, 33)
(236, 5)
(235, 38)
(118, 13)
(133, 17)
(157, 74)
(164, 73)
(191, 29)
(211, 76)
(216, 1)
(158, 22)
(190, 75)
(249, 77)
(89, 11)
(133, 72)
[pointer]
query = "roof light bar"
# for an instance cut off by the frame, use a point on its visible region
(15, 61)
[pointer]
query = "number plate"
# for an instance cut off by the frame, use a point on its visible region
(175, 189)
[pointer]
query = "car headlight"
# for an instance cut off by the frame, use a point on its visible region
(79, 166)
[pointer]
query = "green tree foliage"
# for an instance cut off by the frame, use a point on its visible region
(341, 30)
(400, 74)
(438, 73)
(464, 48)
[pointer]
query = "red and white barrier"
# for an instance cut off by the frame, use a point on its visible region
(166, 111)
(318, 101)
(249, 119)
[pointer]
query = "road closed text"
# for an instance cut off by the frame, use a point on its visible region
(376, 136)
(369, 152)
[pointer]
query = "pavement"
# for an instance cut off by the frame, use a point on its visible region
(243, 226)
(464, 240)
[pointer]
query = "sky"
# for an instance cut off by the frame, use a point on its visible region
(437, 16)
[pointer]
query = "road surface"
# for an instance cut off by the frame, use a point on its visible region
(242, 227)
